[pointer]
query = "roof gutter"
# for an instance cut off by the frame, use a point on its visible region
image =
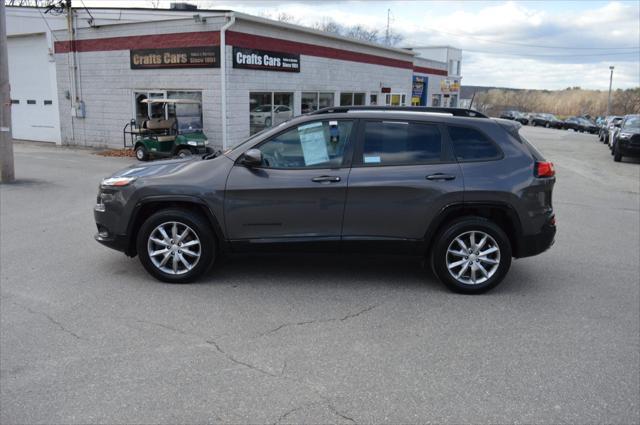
(223, 75)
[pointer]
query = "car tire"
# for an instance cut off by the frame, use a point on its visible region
(141, 153)
(617, 156)
(445, 263)
(172, 263)
(184, 153)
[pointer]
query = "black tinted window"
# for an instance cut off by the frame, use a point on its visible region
(394, 143)
(471, 145)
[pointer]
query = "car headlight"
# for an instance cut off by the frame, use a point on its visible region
(192, 143)
(118, 181)
(625, 135)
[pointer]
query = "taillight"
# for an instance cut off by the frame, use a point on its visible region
(545, 169)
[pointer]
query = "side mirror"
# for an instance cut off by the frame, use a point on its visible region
(252, 158)
(618, 124)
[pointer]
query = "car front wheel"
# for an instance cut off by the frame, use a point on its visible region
(472, 255)
(176, 245)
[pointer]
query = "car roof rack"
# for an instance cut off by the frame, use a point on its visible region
(456, 112)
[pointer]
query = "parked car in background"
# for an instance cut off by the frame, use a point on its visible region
(262, 115)
(515, 116)
(509, 115)
(546, 120)
(611, 122)
(627, 139)
(467, 195)
(580, 124)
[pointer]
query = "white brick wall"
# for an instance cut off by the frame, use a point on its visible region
(108, 83)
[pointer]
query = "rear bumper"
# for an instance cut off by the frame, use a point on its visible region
(536, 244)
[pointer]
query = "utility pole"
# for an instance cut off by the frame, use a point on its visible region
(7, 173)
(609, 99)
(386, 37)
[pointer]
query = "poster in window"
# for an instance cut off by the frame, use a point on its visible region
(314, 145)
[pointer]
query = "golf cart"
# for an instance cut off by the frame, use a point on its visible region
(177, 132)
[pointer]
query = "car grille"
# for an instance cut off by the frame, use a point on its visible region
(635, 139)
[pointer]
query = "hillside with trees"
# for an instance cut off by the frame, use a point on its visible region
(570, 101)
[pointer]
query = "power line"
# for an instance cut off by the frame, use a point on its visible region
(551, 55)
(91, 21)
(513, 43)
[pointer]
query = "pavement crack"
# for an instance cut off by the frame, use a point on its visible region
(50, 319)
(244, 363)
(364, 310)
(310, 322)
(338, 413)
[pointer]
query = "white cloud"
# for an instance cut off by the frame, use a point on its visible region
(498, 33)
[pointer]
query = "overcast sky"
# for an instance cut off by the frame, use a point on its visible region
(523, 44)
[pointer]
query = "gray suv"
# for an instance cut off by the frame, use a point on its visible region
(466, 192)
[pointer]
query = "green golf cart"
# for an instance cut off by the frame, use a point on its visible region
(177, 132)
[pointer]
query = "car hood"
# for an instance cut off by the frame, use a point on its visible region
(157, 168)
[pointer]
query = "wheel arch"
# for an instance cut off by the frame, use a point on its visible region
(502, 214)
(148, 206)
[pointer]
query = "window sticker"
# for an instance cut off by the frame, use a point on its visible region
(371, 159)
(314, 146)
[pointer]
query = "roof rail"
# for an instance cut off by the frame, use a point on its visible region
(456, 112)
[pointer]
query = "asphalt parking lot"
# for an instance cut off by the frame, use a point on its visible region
(88, 337)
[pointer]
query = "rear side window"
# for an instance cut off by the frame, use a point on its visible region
(400, 143)
(471, 145)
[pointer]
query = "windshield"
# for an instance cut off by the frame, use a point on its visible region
(262, 108)
(188, 117)
(632, 123)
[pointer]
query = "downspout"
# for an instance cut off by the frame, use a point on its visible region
(223, 76)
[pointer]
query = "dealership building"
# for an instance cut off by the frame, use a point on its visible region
(82, 87)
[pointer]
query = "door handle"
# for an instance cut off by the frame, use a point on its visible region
(326, 179)
(440, 176)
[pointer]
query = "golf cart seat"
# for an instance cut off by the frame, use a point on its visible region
(166, 138)
(159, 124)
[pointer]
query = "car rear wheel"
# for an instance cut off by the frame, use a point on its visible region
(471, 255)
(176, 245)
(141, 153)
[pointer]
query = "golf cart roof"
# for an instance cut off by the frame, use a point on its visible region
(174, 101)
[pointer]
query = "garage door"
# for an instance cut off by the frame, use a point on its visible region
(34, 113)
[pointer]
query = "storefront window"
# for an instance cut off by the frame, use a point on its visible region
(312, 101)
(349, 99)
(145, 111)
(269, 109)
(435, 99)
(395, 99)
(326, 100)
(373, 99)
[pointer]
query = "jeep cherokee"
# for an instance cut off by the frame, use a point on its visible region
(464, 191)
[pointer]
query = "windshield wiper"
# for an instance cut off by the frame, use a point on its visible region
(213, 154)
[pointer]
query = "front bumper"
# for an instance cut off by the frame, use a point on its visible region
(117, 242)
(628, 148)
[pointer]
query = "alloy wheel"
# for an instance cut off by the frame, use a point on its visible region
(174, 248)
(473, 257)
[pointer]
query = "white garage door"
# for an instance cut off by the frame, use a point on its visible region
(34, 113)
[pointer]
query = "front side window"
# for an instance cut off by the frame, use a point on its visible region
(472, 145)
(401, 143)
(319, 144)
